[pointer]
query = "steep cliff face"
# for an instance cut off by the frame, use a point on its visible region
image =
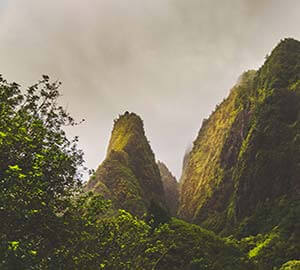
(129, 175)
(171, 187)
(245, 161)
(205, 183)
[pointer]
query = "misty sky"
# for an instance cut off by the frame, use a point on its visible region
(170, 61)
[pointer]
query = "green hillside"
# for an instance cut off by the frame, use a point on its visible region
(242, 176)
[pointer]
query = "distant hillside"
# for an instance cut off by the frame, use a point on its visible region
(171, 187)
(129, 175)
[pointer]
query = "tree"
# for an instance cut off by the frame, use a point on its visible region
(39, 172)
(156, 215)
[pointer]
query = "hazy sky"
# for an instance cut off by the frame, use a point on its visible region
(170, 61)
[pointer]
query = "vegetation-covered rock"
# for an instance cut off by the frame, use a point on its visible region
(242, 175)
(171, 187)
(206, 181)
(129, 175)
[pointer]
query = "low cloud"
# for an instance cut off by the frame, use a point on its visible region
(170, 61)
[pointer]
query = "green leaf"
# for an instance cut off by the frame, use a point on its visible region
(14, 168)
(33, 252)
(14, 245)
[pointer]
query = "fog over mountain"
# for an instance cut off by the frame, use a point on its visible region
(170, 61)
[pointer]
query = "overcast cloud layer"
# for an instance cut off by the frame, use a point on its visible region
(170, 61)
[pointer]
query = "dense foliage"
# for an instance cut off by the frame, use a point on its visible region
(38, 170)
(196, 248)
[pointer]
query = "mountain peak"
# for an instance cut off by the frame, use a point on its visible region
(129, 116)
(129, 171)
(127, 127)
(163, 167)
(288, 43)
(282, 66)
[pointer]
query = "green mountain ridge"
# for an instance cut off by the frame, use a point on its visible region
(129, 175)
(242, 175)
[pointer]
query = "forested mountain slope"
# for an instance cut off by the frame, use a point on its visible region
(242, 176)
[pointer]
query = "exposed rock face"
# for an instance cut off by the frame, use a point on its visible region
(171, 187)
(246, 158)
(129, 175)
